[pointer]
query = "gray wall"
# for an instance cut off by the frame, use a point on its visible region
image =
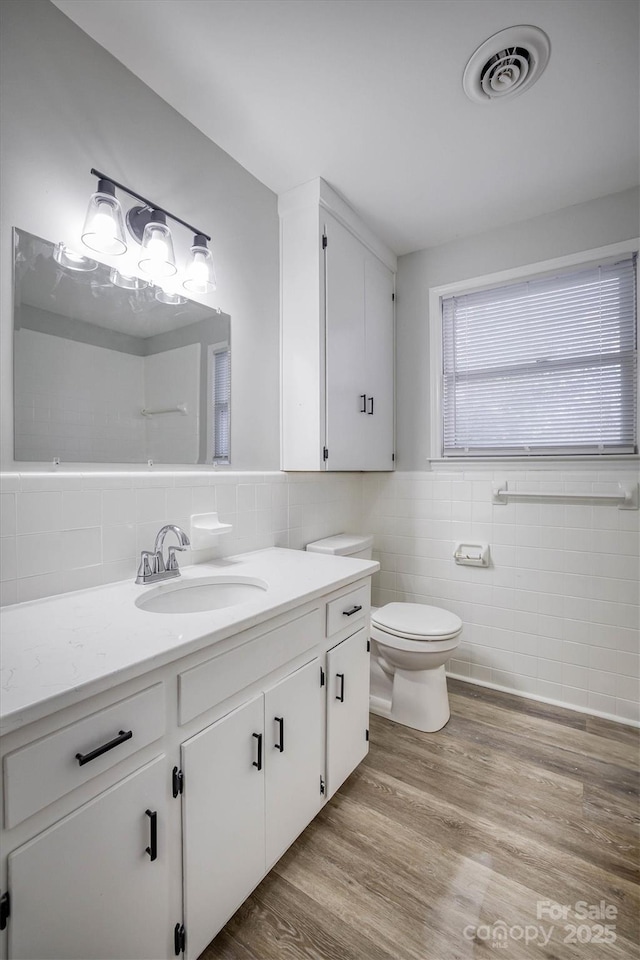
(67, 106)
(582, 227)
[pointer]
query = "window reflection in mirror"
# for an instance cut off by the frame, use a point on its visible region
(105, 373)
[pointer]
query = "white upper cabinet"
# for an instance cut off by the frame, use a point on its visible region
(337, 336)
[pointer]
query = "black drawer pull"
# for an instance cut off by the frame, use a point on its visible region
(354, 609)
(370, 410)
(152, 849)
(258, 763)
(123, 735)
(363, 408)
(340, 696)
(280, 745)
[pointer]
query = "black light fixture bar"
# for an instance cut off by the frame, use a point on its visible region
(148, 203)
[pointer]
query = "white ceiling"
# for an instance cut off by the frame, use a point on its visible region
(368, 94)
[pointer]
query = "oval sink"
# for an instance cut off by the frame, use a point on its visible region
(198, 596)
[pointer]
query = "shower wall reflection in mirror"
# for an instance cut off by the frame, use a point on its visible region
(104, 374)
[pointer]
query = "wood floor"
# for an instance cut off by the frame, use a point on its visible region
(436, 838)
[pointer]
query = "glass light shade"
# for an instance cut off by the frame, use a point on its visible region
(104, 225)
(127, 283)
(201, 277)
(166, 296)
(157, 257)
(70, 260)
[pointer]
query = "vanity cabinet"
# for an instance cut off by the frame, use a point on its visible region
(196, 776)
(252, 784)
(337, 326)
(94, 886)
(347, 708)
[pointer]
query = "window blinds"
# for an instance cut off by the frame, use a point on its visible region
(546, 366)
(221, 397)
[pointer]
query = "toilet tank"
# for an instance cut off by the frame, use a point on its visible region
(344, 545)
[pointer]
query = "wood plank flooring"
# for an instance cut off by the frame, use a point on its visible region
(438, 844)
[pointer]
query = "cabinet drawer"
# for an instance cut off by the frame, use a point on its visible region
(47, 769)
(211, 682)
(343, 612)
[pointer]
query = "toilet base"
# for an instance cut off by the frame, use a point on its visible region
(420, 700)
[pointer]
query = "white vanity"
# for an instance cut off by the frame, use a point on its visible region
(157, 764)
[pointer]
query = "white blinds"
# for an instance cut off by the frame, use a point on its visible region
(221, 397)
(546, 366)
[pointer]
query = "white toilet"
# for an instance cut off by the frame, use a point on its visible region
(411, 642)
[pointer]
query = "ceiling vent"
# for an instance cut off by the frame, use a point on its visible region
(506, 64)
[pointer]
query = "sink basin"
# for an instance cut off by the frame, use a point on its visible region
(198, 596)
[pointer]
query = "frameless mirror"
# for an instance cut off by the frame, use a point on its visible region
(109, 374)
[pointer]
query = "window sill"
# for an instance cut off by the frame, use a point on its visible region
(605, 462)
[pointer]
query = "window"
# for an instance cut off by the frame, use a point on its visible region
(542, 366)
(219, 393)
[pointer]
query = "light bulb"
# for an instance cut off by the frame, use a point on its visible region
(103, 226)
(157, 257)
(201, 276)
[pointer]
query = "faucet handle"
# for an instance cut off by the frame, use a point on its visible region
(172, 563)
(146, 568)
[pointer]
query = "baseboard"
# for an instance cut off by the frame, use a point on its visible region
(553, 703)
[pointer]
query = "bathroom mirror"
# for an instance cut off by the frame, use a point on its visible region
(108, 374)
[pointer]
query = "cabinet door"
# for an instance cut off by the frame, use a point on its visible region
(345, 348)
(347, 708)
(86, 889)
(379, 366)
(223, 821)
(292, 721)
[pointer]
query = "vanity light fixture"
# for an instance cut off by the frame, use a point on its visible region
(147, 224)
(103, 229)
(70, 260)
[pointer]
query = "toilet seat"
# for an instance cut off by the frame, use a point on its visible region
(414, 622)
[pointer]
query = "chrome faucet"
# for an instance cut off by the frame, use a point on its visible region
(152, 565)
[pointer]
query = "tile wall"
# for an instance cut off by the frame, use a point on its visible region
(556, 615)
(66, 532)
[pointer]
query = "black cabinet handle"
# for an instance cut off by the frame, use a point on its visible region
(340, 696)
(280, 745)
(123, 735)
(258, 763)
(152, 849)
(370, 410)
(363, 408)
(350, 612)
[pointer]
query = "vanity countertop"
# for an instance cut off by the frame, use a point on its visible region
(60, 650)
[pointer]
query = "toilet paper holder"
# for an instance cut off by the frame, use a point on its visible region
(470, 554)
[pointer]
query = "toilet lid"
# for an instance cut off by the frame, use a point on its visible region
(416, 620)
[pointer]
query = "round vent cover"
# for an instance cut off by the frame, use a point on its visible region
(506, 64)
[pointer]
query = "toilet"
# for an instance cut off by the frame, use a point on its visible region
(411, 642)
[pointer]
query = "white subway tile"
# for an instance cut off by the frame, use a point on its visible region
(601, 703)
(38, 554)
(8, 564)
(151, 505)
(118, 542)
(81, 548)
(39, 512)
(118, 506)
(81, 508)
(7, 514)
